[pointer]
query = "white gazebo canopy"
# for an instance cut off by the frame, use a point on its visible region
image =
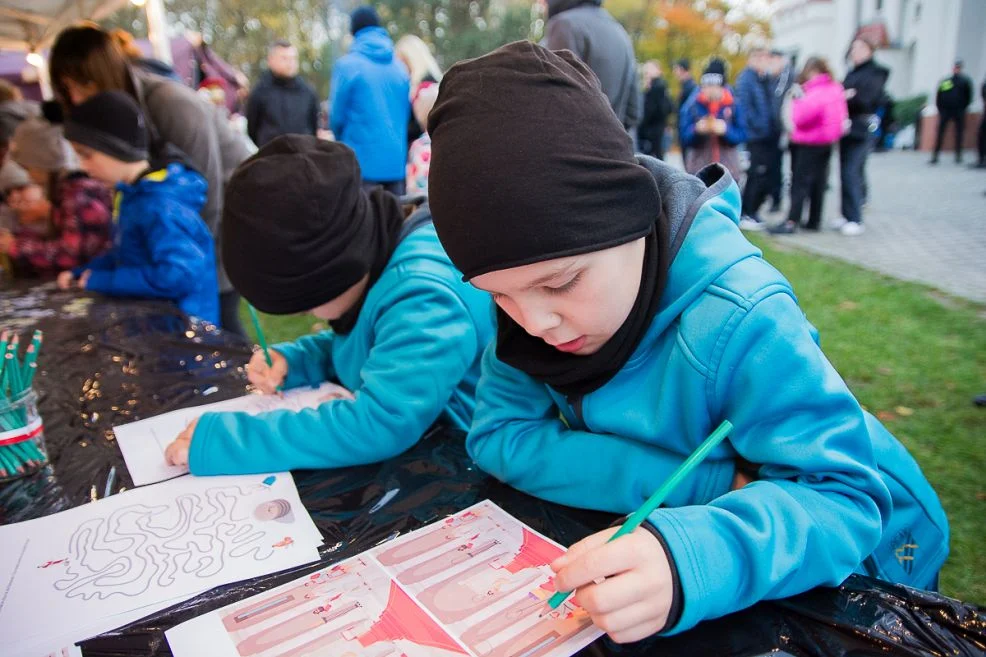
(33, 24)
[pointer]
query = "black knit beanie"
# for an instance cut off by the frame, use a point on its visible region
(530, 163)
(298, 230)
(111, 123)
(365, 16)
(714, 74)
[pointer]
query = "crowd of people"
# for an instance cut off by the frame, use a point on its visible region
(632, 316)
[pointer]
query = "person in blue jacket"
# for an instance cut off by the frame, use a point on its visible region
(407, 334)
(369, 102)
(161, 249)
(633, 317)
(755, 97)
(711, 122)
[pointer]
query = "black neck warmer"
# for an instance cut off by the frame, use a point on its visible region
(298, 229)
(531, 164)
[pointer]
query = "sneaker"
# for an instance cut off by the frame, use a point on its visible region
(837, 224)
(783, 228)
(751, 223)
(852, 229)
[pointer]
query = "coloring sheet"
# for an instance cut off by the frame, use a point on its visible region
(143, 442)
(146, 549)
(473, 584)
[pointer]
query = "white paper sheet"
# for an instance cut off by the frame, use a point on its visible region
(146, 549)
(67, 651)
(143, 442)
(473, 584)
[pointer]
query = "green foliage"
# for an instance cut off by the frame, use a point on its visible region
(240, 31)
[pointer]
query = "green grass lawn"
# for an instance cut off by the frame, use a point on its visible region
(913, 357)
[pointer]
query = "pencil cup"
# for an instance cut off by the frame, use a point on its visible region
(22, 438)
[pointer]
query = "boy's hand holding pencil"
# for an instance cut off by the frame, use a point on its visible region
(635, 590)
(268, 379)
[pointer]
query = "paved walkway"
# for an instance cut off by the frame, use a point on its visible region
(924, 224)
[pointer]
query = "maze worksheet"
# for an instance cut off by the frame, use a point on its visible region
(148, 546)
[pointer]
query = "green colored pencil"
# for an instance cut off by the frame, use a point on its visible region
(655, 500)
(30, 359)
(260, 337)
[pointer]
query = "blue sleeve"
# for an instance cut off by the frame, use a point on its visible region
(102, 262)
(339, 98)
(688, 118)
(174, 268)
(735, 134)
(518, 436)
(309, 359)
(820, 505)
(425, 343)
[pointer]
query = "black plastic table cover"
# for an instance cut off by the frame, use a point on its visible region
(106, 362)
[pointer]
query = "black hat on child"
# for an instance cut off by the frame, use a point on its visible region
(111, 123)
(714, 74)
(565, 182)
(298, 230)
(529, 163)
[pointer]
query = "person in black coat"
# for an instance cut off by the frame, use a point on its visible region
(864, 89)
(682, 71)
(657, 108)
(952, 100)
(281, 103)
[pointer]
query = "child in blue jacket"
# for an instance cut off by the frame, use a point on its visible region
(711, 125)
(407, 334)
(633, 318)
(162, 249)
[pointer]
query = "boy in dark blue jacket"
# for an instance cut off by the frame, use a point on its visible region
(162, 249)
(633, 318)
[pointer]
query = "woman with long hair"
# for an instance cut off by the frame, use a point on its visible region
(864, 90)
(85, 60)
(819, 115)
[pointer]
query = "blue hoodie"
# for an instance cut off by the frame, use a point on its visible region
(412, 357)
(370, 106)
(836, 493)
(161, 249)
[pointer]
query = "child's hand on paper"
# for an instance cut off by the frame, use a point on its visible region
(65, 280)
(634, 596)
(265, 378)
(177, 451)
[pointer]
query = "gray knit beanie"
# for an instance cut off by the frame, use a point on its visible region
(38, 144)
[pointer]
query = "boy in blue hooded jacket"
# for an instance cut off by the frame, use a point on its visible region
(633, 318)
(370, 102)
(407, 334)
(161, 249)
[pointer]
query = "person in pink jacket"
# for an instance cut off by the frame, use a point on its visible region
(820, 115)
